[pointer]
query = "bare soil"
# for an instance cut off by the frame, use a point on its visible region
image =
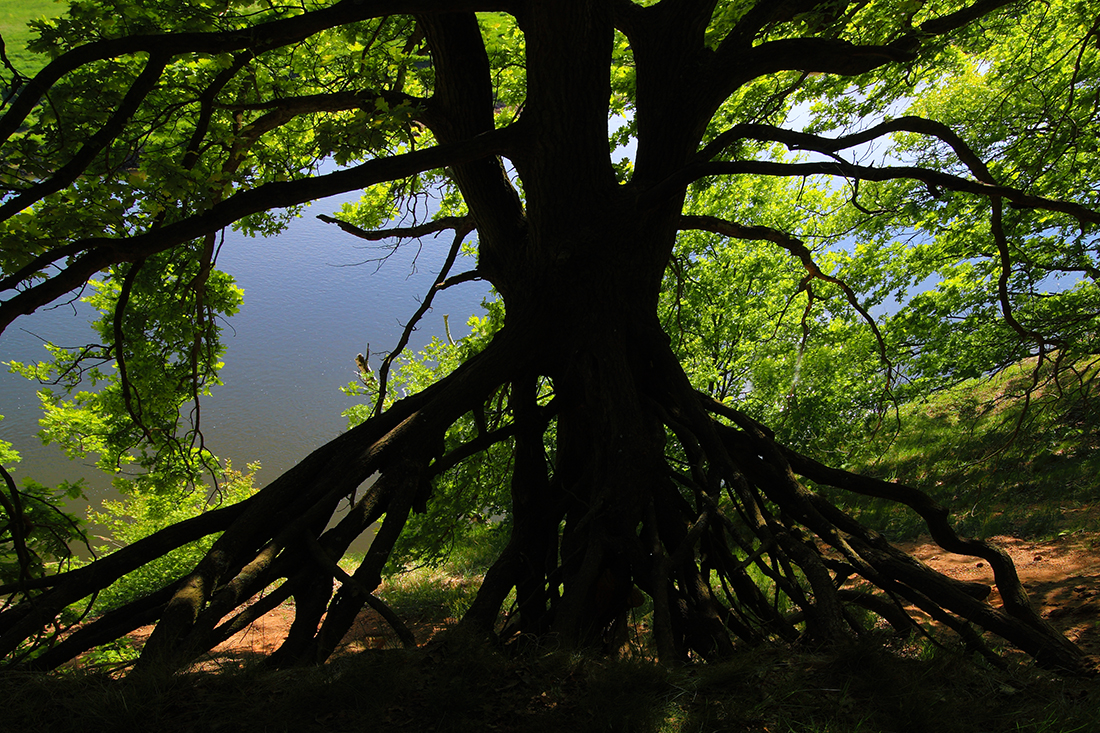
(265, 635)
(1062, 578)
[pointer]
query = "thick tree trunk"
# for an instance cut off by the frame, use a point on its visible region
(651, 487)
(645, 493)
(610, 454)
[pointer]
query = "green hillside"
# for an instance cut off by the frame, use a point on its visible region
(14, 15)
(1003, 461)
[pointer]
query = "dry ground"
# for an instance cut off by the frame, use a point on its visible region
(1062, 577)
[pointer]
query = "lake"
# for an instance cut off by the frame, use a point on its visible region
(313, 299)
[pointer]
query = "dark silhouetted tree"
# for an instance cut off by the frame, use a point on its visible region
(879, 144)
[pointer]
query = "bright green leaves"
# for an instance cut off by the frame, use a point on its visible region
(922, 260)
(725, 18)
(469, 500)
(142, 385)
(35, 532)
(375, 207)
(93, 20)
(211, 126)
(623, 75)
(140, 514)
(506, 48)
(347, 136)
(746, 332)
(875, 22)
(1021, 94)
(1029, 102)
(47, 530)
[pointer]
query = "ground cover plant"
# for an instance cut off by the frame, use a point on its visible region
(14, 29)
(1008, 465)
(464, 687)
(834, 208)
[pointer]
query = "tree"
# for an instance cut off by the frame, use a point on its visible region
(625, 479)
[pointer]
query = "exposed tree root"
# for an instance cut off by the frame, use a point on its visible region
(648, 487)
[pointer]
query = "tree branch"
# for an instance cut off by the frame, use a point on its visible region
(17, 525)
(376, 235)
(959, 18)
(799, 249)
(258, 39)
(736, 61)
(129, 395)
(101, 252)
(806, 141)
(441, 278)
(69, 172)
(462, 107)
(821, 55)
(333, 568)
(678, 181)
(69, 587)
(285, 109)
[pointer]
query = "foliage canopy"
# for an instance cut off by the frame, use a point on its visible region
(833, 206)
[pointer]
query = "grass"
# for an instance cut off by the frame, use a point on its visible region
(14, 15)
(1000, 470)
(875, 685)
(433, 594)
(457, 686)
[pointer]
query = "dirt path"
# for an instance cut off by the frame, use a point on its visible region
(265, 635)
(1062, 578)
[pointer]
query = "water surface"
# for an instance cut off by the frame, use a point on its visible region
(312, 301)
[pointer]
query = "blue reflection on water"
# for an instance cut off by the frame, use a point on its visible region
(309, 308)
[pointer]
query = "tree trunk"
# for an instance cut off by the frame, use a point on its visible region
(650, 487)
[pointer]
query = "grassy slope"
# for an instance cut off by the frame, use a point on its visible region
(1000, 470)
(14, 15)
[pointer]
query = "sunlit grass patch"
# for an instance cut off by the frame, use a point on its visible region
(1003, 464)
(430, 594)
(14, 15)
